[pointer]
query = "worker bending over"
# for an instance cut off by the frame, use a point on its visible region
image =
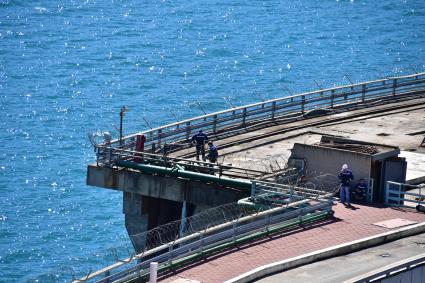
(213, 153)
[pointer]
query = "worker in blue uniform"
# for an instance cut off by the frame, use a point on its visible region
(345, 176)
(213, 152)
(199, 140)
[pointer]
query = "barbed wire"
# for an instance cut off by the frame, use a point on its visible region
(270, 164)
(153, 238)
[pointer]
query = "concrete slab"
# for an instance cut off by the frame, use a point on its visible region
(415, 166)
(270, 156)
(394, 223)
(397, 128)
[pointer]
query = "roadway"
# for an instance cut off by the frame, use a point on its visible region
(346, 267)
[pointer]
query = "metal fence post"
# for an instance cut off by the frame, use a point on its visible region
(201, 244)
(273, 109)
(268, 223)
(363, 92)
(151, 140)
(345, 93)
(215, 123)
(170, 254)
(253, 188)
(183, 221)
(302, 104)
(370, 190)
(97, 149)
(159, 137)
(188, 131)
(332, 98)
(387, 192)
(243, 116)
(394, 85)
(291, 193)
(153, 272)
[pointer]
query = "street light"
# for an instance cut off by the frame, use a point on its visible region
(122, 111)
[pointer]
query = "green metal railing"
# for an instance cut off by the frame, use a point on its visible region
(213, 238)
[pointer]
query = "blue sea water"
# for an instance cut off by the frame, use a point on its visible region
(66, 67)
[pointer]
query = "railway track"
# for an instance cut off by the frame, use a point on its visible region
(279, 127)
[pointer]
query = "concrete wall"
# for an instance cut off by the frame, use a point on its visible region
(163, 187)
(135, 221)
(329, 160)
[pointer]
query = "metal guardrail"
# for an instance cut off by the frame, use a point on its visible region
(261, 187)
(111, 156)
(198, 241)
(370, 190)
(223, 234)
(228, 122)
(399, 194)
(275, 109)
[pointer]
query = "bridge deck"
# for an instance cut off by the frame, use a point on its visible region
(395, 124)
(259, 138)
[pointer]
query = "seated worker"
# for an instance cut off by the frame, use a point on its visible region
(200, 139)
(360, 190)
(213, 153)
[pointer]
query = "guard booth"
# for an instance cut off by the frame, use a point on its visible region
(375, 163)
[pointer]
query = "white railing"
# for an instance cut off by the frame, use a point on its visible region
(399, 194)
(370, 190)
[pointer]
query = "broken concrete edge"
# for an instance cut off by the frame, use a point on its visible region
(330, 252)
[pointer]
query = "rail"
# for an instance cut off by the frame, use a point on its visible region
(261, 187)
(113, 155)
(224, 234)
(400, 194)
(178, 134)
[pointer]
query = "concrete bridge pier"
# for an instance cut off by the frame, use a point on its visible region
(144, 213)
(136, 222)
(153, 200)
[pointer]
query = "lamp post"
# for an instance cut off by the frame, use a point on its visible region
(122, 111)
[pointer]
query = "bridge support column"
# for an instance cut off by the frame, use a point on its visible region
(144, 213)
(135, 221)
